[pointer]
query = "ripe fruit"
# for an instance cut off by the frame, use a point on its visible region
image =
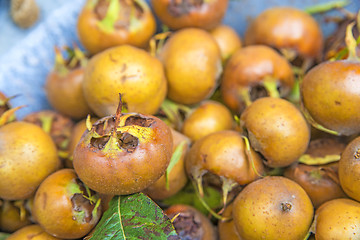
(190, 13)
(226, 228)
(103, 24)
(276, 129)
(64, 207)
(210, 116)
(272, 208)
(123, 154)
(128, 70)
(25, 149)
(254, 72)
(286, 28)
(14, 215)
(337, 219)
(192, 62)
(32, 232)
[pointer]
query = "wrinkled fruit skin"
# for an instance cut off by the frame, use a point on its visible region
(247, 68)
(276, 129)
(128, 70)
(286, 28)
(136, 31)
(61, 209)
(132, 163)
(331, 94)
(272, 208)
(192, 62)
(338, 219)
(349, 169)
(184, 14)
(24, 149)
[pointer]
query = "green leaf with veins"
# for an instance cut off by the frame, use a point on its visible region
(133, 217)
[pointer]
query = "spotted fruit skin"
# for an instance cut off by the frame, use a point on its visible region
(272, 208)
(286, 28)
(276, 129)
(25, 149)
(137, 33)
(331, 94)
(184, 14)
(128, 70)
(117, 170)
(60, 211)
(192, 62)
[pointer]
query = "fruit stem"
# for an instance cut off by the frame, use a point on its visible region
(351, 43)
(60, 65)
(107, 24)
(227, 186)
(118, 112)
(249, 155)
(9, 115)
(172, 111)
(46, 122)
(325, 7)
(20, 204)
(270, 84)
(157, 42)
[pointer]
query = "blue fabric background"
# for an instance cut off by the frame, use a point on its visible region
(26, 56)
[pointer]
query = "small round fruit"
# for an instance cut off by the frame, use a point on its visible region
(185, 13)
(331, 94)
(190, 223)
(338, 219)
(227, 39)
(123, 154)
(286, 28)
(210, 116)
(226, 228)
(349, 169)
(127, 70)
(25, 149)
(192, 64)
(32, 232)
(63, 206)
(101, 25)
(273, 208)
(276, 129)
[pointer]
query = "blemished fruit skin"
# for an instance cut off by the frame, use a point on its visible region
(276, 129)
(136, 31)
(192, 62)
(210, 116)
(338, 219)
(25, 149)
(330, 92)
(128, 161)
(272, 208)
(31, 232)
(128, 70)
(177, 15)
(286, 28)
(61, 208)
(349, 169)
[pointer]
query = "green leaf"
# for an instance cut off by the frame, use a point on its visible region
(187, 196)
(133, 217)
(4, 236)
(174, 160)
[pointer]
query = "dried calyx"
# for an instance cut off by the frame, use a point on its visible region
(183, 7)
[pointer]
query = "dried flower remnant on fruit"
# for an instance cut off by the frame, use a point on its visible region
(187, 225)
(286, 207)
(178, 8)
(357, 154)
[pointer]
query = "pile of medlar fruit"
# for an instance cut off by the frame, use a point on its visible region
(269, 124)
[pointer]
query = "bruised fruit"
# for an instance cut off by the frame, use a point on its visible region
(32, 232)
(338, 219)
(190, 13)
(349, 169)
(192, 64)
(63, 86)
(272, 208)
(227, 39)
(276, 129)
(254, 72)
(123, 154)
(286, 28)
(190, 223)
(103, 24)
(176, 178)
(64, 207)
(128, 70)
(25, 149)
(210, 116)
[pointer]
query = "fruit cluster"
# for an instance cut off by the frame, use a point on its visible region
(253, 139)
